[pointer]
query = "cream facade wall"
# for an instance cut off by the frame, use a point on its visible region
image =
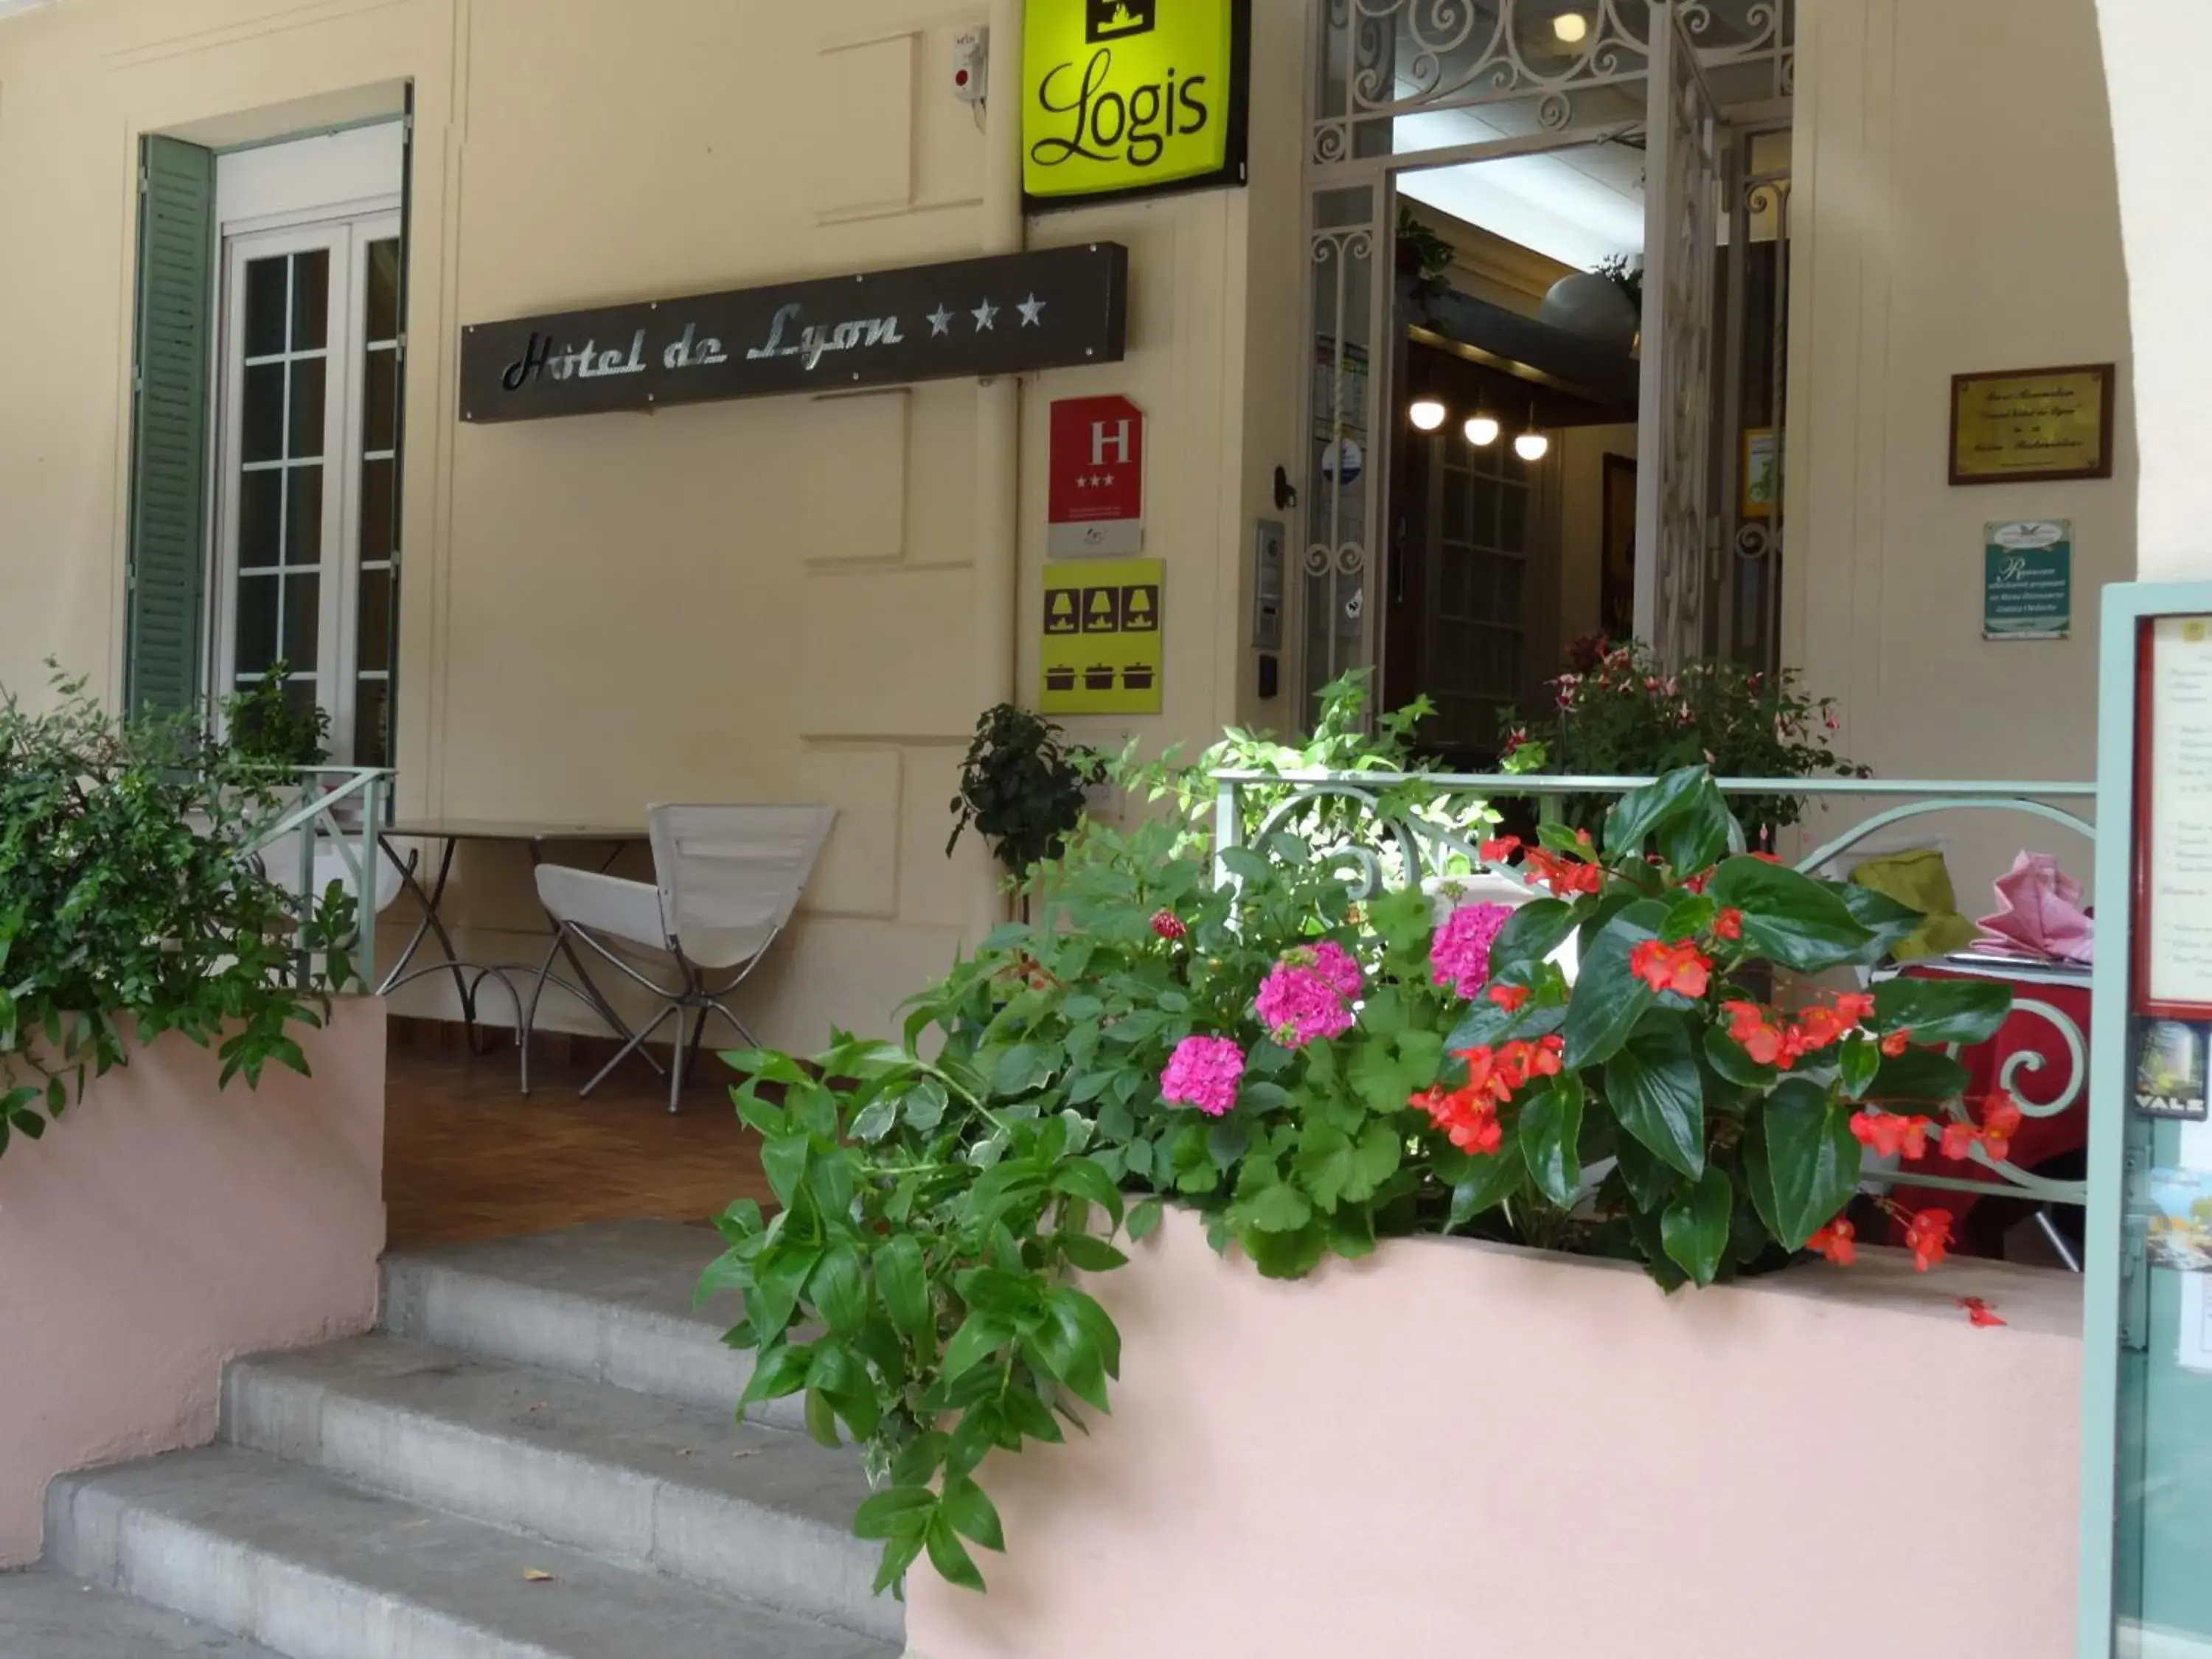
(771, 601)
(1955, 211)
(2151, 49)
(782, 599)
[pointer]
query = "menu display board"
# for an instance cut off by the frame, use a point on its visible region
(2174, 818)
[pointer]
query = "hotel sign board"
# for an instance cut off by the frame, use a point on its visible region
(1054, 308)
(1132, 97)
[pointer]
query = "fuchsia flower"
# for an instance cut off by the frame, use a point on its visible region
(1459, 951)
(1203, 1072)
(1309, 995)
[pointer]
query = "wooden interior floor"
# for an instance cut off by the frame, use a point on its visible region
(467, 1157)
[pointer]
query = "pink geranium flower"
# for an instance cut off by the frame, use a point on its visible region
(1309, 995)
(1334, 965)
(1203, 1072)
(1459, 952)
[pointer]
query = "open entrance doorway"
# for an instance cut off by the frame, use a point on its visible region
(1572, 219)
(1512, 494)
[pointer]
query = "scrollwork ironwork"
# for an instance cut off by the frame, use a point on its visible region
(1386, 58)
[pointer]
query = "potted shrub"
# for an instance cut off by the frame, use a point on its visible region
(127, 910)
(1615, 715)
(1021, 786)
(1312, 1071)
(166, 1218)
(275, 724)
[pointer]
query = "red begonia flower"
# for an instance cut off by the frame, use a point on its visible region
(1928, 1235)
(1834, 1240)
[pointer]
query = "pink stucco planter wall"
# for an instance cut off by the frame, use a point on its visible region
(1464, 1451)
(163, 1226)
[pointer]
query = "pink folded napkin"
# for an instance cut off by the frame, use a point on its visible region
(2041, 913)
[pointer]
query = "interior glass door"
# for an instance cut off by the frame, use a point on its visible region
(307, 535)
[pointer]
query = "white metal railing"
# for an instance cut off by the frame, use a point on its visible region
(342, 807)
(1404, 828)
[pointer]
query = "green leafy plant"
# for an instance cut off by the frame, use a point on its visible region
(1310, 1072)
(1342, 745)
(127, 912)
(277, 723)
(1420, 249)
(1625, 275)
(1615, 714)
(1021, 786)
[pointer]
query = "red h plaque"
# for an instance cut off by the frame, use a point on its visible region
(1097, 467)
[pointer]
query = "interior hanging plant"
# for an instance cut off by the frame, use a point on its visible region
(1421, 251)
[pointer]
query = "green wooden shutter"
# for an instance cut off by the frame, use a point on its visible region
(174, 360)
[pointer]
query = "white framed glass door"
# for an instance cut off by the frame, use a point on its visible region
(308, 471)
(370, 617)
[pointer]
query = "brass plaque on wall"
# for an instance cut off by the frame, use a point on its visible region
(2030, 424)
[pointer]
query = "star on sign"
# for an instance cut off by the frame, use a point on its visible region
(1032, 310)
(983, 314)
(939, 320)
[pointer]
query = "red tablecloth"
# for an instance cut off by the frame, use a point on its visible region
(2040, 1138)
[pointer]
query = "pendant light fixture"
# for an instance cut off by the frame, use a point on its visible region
(1481, 429)
(1426, 414)
(1532, 445)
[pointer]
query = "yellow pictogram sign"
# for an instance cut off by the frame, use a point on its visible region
(1102, 638)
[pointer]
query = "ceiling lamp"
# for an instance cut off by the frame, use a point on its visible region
(1571, 27)
(1595, 307)
(1481, 431)
(1532, 445)
(1427, 413)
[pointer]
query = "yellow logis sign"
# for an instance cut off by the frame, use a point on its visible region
(1124, 95)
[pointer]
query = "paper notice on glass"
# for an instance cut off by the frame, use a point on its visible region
(2179, 928)
(2195, 1352)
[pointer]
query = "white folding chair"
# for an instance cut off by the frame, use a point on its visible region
(726, 882)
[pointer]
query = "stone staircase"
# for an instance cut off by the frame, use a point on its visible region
(533, 1458)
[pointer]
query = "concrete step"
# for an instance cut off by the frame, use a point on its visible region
(44, 1615)
(611, 1303)
(302, 1562)
(756, 1513)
